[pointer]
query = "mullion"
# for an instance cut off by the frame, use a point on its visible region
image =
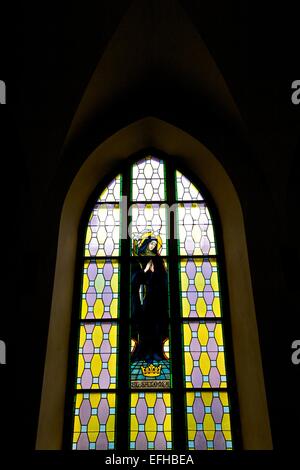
(122, 418)
(96, 390)
(99, 320)
(178, 398)
(123, 257)
(201, 320)
(101, 258)
(191, 201)
(107, 203)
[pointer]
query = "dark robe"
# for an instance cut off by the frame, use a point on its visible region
(149, 315)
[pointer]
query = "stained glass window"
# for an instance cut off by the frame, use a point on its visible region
(154, 292)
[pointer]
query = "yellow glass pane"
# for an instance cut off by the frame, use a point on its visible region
(96, 365)
(216, 307)
(207, 398)
(88, 236)
(189, 399)
(112, 364)
(168, 423)
(151, 435)
(150, 399)
(110, 436)
(98, 308)
(77, 424)
(191, 422)
(221, 363)
(188, 365)
(150, 426)
(93, 425)
(114, 308)
(111, 398)
(110, 424)
(133, 434)
(214, 281)
(75, 437)
(85, 283)
(204, 363)
(113, 335)
(134, 399)
(84, 308)
(95, 399)
(226, 422)
(203, 334)
(115, 281)
(227, 435)
(185, 307)
(187, 333)
(201, 307)
(199, 281)
(208, 422)
(80, 367)
(219, 334)
(82, 337)
(78, 400)
(134, 425)
(97, 336)
(209, 434)
(224, 398)
(184, 282)
(167, 399)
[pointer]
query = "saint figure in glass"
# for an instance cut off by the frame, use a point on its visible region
(149, 300)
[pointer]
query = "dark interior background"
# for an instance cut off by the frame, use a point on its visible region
(48, 53)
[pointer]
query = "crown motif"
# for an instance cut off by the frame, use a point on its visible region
(151, 370)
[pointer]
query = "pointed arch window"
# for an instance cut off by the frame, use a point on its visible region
(151, 371)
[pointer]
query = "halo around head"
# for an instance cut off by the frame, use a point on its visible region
(140, 238)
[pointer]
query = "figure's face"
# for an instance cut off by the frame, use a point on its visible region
(152, 245)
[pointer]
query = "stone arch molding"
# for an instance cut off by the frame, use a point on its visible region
(155, 133)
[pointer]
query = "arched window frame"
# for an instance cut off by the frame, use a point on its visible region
(204, 159)
(172, 164)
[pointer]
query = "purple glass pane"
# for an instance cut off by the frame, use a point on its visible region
(83, 442)
(160, 411)
(141, 411)
(85, 411)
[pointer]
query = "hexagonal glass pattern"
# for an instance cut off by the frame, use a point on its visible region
(94, 421)
(103, 231)
(97, 356)
(207, 411)
(204, 355)
(100, 289)
(148, 182)
(112, 192)
(200, 293)
(208, 421)
(150, 421)
(186, 191)
(149, 218)
(195, 230)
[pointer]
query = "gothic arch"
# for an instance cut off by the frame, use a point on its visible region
(155, 133)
